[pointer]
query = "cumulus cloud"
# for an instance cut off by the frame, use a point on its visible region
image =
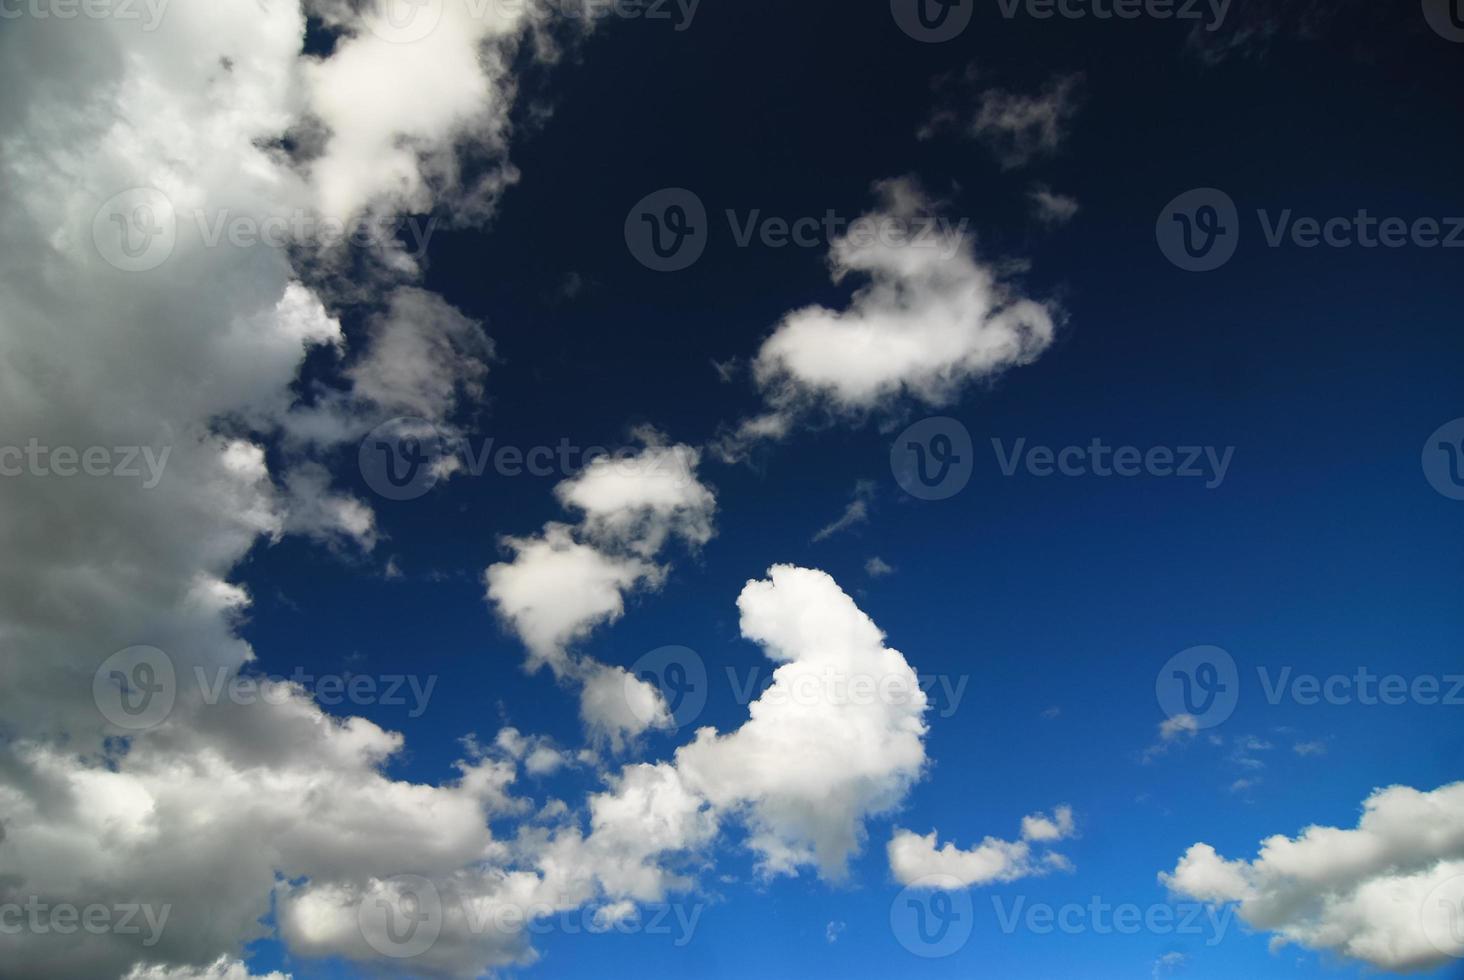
(837, 738)
(1359, 893)
(929, 320)
(563, 583)
(127, 323)
(915, 858)
(221, 969)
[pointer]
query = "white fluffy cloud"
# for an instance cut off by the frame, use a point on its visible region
(189, 350)
(563, 583)
(837, 738)
(915, 858)
(929, 319)
(1360, 893)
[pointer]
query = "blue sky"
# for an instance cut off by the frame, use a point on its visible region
(1043, 609)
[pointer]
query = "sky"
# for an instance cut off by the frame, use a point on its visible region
(494, 488)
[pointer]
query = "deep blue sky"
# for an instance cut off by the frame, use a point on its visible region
(1325, 549)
